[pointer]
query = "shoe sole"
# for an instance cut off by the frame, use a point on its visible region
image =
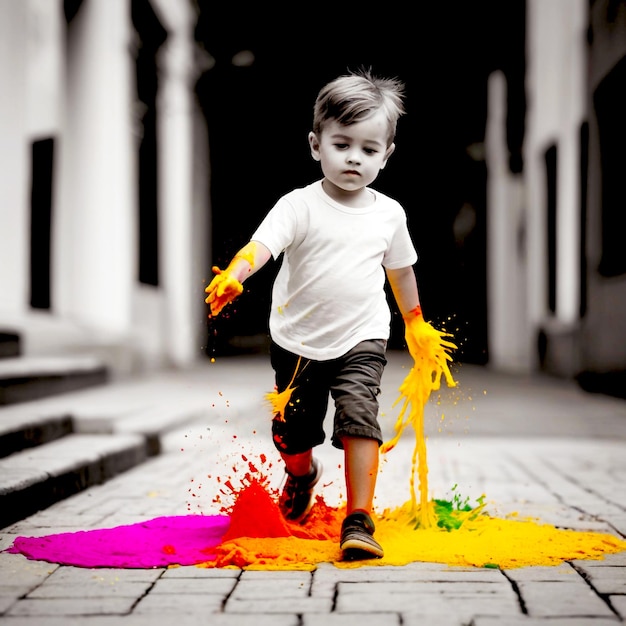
(356, 549)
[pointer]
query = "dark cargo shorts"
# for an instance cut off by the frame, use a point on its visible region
(353, 381)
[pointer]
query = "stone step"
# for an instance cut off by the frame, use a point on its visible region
(9, 344)
(53, 447)
(34, 479)
(27, 378)
(27, 426)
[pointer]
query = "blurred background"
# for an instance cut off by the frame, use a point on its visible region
(144, 140)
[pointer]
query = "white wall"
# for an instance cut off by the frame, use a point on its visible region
(14, 161)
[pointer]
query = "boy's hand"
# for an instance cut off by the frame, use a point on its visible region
(428, 346)
(222, 290)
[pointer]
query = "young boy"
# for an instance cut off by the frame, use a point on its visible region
(330, 319)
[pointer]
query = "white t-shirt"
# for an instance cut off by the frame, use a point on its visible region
(329, 291)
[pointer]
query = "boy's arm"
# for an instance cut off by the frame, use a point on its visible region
(405, 291)
(227, 284)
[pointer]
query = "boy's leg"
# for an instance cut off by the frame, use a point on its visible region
(299, 429)
(355, 391)
(357, 530)
(303, 473)
(298, 464)
(361, 469)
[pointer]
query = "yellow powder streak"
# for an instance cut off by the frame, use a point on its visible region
(430, 352)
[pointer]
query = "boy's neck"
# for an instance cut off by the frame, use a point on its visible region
(357, 199)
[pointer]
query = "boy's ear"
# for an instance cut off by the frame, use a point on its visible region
(314, 144)
(388, 153)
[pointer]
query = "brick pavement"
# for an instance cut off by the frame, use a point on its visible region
(534, 445)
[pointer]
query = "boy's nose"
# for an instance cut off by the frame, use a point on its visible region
(353, 158)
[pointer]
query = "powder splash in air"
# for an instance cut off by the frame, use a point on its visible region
(278, 400)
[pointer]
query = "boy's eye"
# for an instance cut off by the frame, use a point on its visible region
(369, 151)
(341, 146)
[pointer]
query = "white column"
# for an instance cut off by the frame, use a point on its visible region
(509, 346)
(568, 233)
(14, 159)
(95, 227)
(572, 112)
(175, 188)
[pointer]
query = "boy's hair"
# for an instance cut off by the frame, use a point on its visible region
(356, 96)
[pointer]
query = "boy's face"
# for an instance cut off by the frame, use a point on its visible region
(352, 156)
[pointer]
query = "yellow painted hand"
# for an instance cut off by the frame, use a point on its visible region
(222, 290)
(429, 348)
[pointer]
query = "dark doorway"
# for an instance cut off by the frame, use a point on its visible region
(609, 101)
(258, 116)
(150, 36)
(42, 161)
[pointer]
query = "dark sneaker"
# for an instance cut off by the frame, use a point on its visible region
(357, 540)
(296, 499)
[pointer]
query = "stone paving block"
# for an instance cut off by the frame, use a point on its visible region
(607, 580)
(562, 599)
(171, 604)
(102, 575)
(293, 576)
(618, 523)
(191, 571)
(427, 597)
(355, 619)
(258, 589)
(561, 573)
(21, 575)
(103, 620)
(619, 605)
(150, 619)
(8, 598)
(423, 603)
(430, 587)
(444, 618)
(72, 606)
(489, 620)
(184, 586)
(200, 617)
(413, 572)
(89, 591)
(278, 604)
